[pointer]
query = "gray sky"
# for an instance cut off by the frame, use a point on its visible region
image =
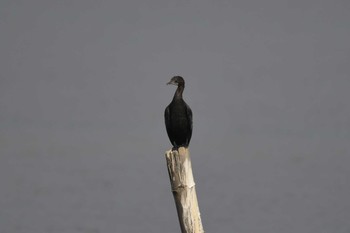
(82, 96)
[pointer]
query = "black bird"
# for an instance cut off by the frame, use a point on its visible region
(178, 117)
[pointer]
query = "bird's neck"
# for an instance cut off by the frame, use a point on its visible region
(179, 91)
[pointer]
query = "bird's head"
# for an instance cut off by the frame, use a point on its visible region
(177, 81)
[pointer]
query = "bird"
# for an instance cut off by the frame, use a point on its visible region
(178, 117)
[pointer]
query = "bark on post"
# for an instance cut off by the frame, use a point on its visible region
(183, 188)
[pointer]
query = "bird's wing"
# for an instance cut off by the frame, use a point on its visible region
(189, 118)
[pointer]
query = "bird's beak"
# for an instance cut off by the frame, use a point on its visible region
(170, 83)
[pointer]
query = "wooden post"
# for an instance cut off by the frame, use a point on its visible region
(183, 188)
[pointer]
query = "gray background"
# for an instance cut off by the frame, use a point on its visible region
(82, 135)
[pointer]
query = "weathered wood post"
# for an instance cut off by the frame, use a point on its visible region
(183, 188)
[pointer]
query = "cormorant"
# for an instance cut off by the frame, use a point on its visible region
(178, 117)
